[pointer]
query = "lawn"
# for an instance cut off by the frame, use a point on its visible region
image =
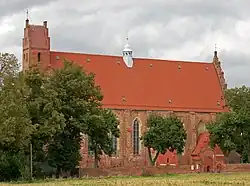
(174, 180)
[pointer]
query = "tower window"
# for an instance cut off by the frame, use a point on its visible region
(39, 57)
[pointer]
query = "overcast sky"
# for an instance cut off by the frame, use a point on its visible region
(167, 29)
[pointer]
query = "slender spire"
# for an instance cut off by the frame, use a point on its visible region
(215, 51)
(127, 39)
(27, 14)
(216, 59)
(27, 18)
(127, 46)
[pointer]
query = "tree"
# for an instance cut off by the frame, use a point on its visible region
(12, 165)
(8, 65)
(15, 128)
(231, 131)
(78, 100)
(102, 128)
(42, 105)
(164, 133)
(238, 99)
(222, 132)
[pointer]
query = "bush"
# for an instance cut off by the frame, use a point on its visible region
(12, 166)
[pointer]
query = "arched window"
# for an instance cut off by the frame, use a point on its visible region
(39, 57)
(136, 137)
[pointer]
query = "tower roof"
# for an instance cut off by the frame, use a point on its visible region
(127, 47)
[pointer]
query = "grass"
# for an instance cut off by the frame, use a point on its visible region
(169, 180)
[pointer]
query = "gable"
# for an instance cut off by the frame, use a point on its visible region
(152, 84)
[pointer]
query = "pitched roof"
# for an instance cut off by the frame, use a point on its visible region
(203, 144)
(151, 84)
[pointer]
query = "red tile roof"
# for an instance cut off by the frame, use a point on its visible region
(203, 143)
(151, 84)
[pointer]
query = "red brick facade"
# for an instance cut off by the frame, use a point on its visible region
(194, 124)
(196, 112)
(147, 171)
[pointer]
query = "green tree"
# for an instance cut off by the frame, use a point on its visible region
(164, 133)
(15, 128)
(102, 128)
(223, 132)
(231, 131)
(78, 99)
(12, 165)
(8, 65)
(238, 99)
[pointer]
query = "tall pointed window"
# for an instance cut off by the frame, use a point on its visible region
(39, 57)
(136, 137)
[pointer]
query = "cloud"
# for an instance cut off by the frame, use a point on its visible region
(9, 7)
(168, 29)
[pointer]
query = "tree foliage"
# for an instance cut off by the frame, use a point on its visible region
(231, 131)
(42, 104)
(15, 124)
(8, 65)
(11, 165)
(101, 130)
(222, 132)
(238, 99)
(78, 100)
(164, 133)
(51, 112)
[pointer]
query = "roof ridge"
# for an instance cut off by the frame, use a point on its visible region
(136, 58)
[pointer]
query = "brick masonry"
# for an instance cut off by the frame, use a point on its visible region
(146, 170)
(194, 124)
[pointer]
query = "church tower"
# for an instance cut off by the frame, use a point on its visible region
(127, 54)
(36, 45)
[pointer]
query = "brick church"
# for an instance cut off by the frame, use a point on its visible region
(135, 87)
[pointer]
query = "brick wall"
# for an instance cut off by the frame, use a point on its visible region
(194, 124)
(237, 168)
(147, 170)
(133, 171)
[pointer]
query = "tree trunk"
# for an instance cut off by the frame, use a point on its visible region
(58, 170)
(153, 160)
(96, 162)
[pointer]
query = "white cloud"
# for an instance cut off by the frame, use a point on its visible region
(6, 26)
(169, 29)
